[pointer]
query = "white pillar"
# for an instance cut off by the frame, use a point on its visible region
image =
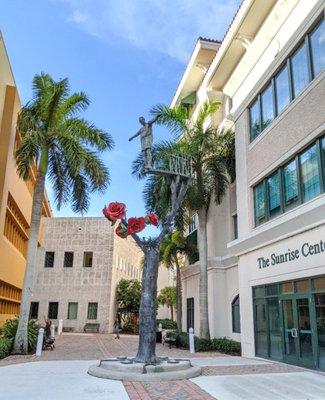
(52, 330)
(191, 340)
(60, 326)
(160, 327)
(39, 345)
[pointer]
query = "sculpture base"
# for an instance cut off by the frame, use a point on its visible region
(126, 369)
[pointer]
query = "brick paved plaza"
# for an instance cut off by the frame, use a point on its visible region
(215, 367)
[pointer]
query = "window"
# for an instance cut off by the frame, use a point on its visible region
(68, 259)
(273, 187)
(299, 70)
(92, 311)
(317, 48)
(290, 184)
(72, 310)
(33, 311)
(49, 259)
(282, 89)
(302, 66)
(190, 313)
(259, 201)
(235, 225)
(267, 106)
(88, 259)
(235, 311)
(53, 310)
(309, 173)
(255, 119)
(300, 180)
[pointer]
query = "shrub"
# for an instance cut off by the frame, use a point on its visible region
(223, 345)
(5, 347)
(167, 323)
(9, 329)
(227, 346)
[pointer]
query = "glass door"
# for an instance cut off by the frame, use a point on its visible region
(299, 338)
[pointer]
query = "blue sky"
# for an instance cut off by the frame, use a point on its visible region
(127, 55)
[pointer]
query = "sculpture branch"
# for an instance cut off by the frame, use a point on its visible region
(136, 238)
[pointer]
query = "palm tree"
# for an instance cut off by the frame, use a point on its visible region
(173, 249)
(213, 160)
(64, 148)
(167, 297)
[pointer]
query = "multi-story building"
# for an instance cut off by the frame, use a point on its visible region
(268, 72)
(77, 271)
(15, 197)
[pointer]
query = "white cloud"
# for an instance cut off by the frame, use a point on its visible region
(166, 26)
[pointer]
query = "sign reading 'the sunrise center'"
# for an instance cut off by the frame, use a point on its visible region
(306, 250)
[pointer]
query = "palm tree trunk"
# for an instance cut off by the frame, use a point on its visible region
(203, 254)
(172, 312)
(21, 342)
(179, 305)
(147, 322)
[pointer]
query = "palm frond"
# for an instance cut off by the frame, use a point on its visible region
(175, 119)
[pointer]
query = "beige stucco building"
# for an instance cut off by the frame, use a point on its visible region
(77, 271)
(268, 73)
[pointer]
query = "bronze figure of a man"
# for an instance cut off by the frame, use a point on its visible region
(146, 141)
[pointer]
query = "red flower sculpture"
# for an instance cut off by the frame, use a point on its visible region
(135, 225)
(151, 218)
(114, 211)
(121, 231)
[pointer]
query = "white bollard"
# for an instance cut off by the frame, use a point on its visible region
(39, 345)
(191, 340)
(52, 330)
(160, 327)
(60, 327)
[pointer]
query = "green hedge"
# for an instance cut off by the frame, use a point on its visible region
(223, 345)
(167, 323)
(5, 347)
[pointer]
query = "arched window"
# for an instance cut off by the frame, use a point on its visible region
(235, 311)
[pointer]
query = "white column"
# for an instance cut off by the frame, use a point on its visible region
(60, 326)
(191, 340)
(52, 330)
(39, 345)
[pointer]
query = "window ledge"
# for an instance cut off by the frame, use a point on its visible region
(282, 227)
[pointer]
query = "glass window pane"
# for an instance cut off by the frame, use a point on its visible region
(320, 322)
(33, 312)
(273, 185)
(72, 310)
(272, 290)
(323, 154)
(274, 328)
(287, 287)
(319, 283)
(92, 310)
(261, 342)
(259, 291)
(290, 184)
(282, 89)
(49, 259)
(259, 201)
(88, 259)
(317, 48)
(53, 310)
(299, 65)
(267, 106)
(235, 315)
(310, 173)
(255, 119)
(68, 259)
(302, 286)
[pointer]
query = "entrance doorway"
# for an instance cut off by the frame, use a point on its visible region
(300, 347)
(289, 322)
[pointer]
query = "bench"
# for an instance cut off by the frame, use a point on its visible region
(91, 328)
